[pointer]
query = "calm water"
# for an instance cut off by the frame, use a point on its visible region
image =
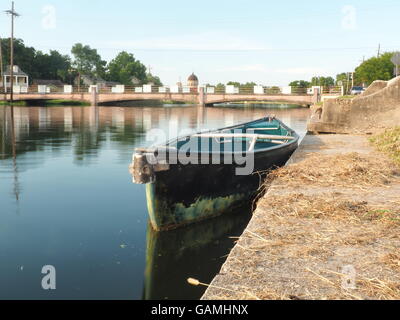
(67, 200)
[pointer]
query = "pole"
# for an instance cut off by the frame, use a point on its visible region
(13, 15)
(12, 55)
(1, 68)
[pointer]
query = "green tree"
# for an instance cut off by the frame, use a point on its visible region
(300, 84)
(153, 79)
(24, 56)
(53, 66)
(233, 83)
(124, 67)
(375, 69)
(36, 64)
(87, 61)
(323, 81)
(220, 87)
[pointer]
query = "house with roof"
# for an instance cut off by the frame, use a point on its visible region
(21, 79)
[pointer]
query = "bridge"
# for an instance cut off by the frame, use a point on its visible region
(201, 96)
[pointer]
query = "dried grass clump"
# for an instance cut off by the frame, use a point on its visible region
(330, 206)
(389, 143)
(392, 260)
(340, 170)
(380, 289)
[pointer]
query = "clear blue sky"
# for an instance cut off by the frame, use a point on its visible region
(269, 42)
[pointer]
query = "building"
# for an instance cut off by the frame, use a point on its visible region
(91, 81)
(193, 82)
(49, 83)
(21, 79)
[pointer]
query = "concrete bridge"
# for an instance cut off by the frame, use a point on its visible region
(200, 97)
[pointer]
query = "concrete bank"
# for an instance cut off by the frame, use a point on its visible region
(328, 228)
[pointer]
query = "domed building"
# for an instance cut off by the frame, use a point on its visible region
(193, 82)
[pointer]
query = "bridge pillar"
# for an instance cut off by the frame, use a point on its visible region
(93, 97)
(316, 97)
(202, 97)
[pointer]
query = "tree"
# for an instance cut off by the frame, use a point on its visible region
(124, 67)
(300, 84)
(233, 83)
(220, 87)
(242, 85)
(153, 79)
(87, 61)
(323, 81)
(53, 66)
(36, 64)
(375, 69)
(24, 56)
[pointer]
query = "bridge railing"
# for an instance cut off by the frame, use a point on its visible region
(150, 89)
(255, 90)
(336, 90)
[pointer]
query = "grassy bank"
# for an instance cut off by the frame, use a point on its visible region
(49, 103)
(63, 103)
(389, 143)
(16, 103)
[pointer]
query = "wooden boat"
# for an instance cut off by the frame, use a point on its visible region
(203, 175)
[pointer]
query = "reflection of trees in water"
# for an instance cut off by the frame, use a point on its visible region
(86, 136)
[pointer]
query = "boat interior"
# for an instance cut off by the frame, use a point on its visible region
(250, 137)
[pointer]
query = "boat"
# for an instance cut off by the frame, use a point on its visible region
(203, 175)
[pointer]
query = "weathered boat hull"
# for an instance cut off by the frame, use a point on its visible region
(190, 193)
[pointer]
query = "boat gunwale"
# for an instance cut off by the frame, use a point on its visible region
(255, 151)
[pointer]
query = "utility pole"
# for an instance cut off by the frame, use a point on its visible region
(379, 50)
(347, 83)
(1, 68)
(13, 15)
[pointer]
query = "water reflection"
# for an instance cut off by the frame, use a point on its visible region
(195, 251)
(67, 200)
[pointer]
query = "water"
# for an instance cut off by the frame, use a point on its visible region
(67, 200)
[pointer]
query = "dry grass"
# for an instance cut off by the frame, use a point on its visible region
(389, 143)
(347, 170)
(297, 244)
(332, 206)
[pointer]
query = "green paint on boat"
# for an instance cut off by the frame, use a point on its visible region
(164, 215)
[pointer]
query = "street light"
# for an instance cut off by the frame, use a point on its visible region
(13, 14)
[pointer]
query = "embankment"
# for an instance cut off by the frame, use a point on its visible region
(378, 107)
(328, 228)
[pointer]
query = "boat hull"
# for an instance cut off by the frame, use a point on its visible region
(186, 194)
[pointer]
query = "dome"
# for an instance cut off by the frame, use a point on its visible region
(193, 77)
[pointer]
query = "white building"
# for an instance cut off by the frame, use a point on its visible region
(21, 79)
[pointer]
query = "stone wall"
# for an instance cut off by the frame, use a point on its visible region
(378, 107)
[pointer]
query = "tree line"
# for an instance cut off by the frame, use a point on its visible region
(375, 68)
(124, 68)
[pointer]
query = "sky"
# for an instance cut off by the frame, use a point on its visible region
(268, 42)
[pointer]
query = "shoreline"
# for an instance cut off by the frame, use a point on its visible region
(334, 236)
